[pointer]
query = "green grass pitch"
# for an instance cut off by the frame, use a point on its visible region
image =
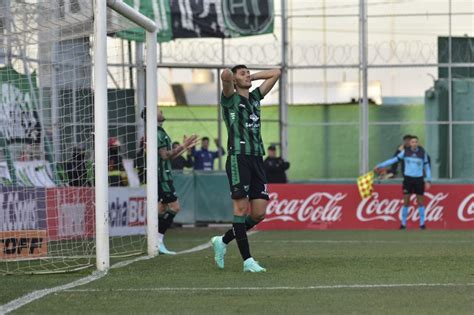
(309, 272)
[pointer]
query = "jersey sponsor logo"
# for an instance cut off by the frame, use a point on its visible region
(252, 125)
(254, 117)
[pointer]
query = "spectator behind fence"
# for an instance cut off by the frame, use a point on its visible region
(392, 172)
(180, 162)
(275, 167)
(204, 159)
(117, 173)
(76, 167)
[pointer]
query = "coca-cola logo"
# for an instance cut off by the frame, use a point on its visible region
(466, 209)
(317, 207)
(372, 209)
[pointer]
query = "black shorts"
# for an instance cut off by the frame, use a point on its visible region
(246, 177)
(413, 185)
(166, 192)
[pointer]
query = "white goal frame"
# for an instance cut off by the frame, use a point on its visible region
(100, 127)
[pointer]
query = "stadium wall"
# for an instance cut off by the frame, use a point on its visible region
(316, 149)
(68, 213)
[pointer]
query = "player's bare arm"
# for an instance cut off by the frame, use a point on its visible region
(227, 82)
(270, 76)
(188, 143)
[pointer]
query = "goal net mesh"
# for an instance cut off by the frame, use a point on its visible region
(47, 203)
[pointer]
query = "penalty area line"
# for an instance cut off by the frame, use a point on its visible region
(276, 288)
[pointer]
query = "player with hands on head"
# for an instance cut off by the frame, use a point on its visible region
(244, 165)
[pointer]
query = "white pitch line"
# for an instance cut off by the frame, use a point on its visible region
(276, 288)
(38, 294)
(365, 242)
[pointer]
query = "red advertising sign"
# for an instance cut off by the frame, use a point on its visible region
(339, 206)
(71, 212)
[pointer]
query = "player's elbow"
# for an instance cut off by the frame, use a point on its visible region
(226, 75)
(277, 72)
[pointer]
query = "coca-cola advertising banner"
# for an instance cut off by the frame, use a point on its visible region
(339, 206)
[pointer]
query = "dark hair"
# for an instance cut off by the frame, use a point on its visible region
(176, 142)
(205, 138)
(414, 137)
(406, 137)
(238, 67)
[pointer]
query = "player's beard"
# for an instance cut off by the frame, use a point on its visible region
(244, 86)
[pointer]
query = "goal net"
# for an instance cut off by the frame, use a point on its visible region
(47, 90)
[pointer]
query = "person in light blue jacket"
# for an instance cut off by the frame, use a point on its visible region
(416, 177)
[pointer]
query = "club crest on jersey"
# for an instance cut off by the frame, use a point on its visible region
(254, 117)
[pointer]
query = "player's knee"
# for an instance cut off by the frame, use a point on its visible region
(174, 206)
(259, 217)
(241, 207)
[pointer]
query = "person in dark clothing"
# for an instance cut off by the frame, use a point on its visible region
(393, 170)
(76, 168)
(275, 167)
(204, 159)
(140, 162)
(117, 174)
(180, 162)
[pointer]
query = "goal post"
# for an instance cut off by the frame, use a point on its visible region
(151, 125)
(101, 137)
(73, 167)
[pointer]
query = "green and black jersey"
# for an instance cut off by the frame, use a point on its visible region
(164, 166)
(242, 119)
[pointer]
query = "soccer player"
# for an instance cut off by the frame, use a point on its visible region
(415, 162)
(244, 165)
(168, 204)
